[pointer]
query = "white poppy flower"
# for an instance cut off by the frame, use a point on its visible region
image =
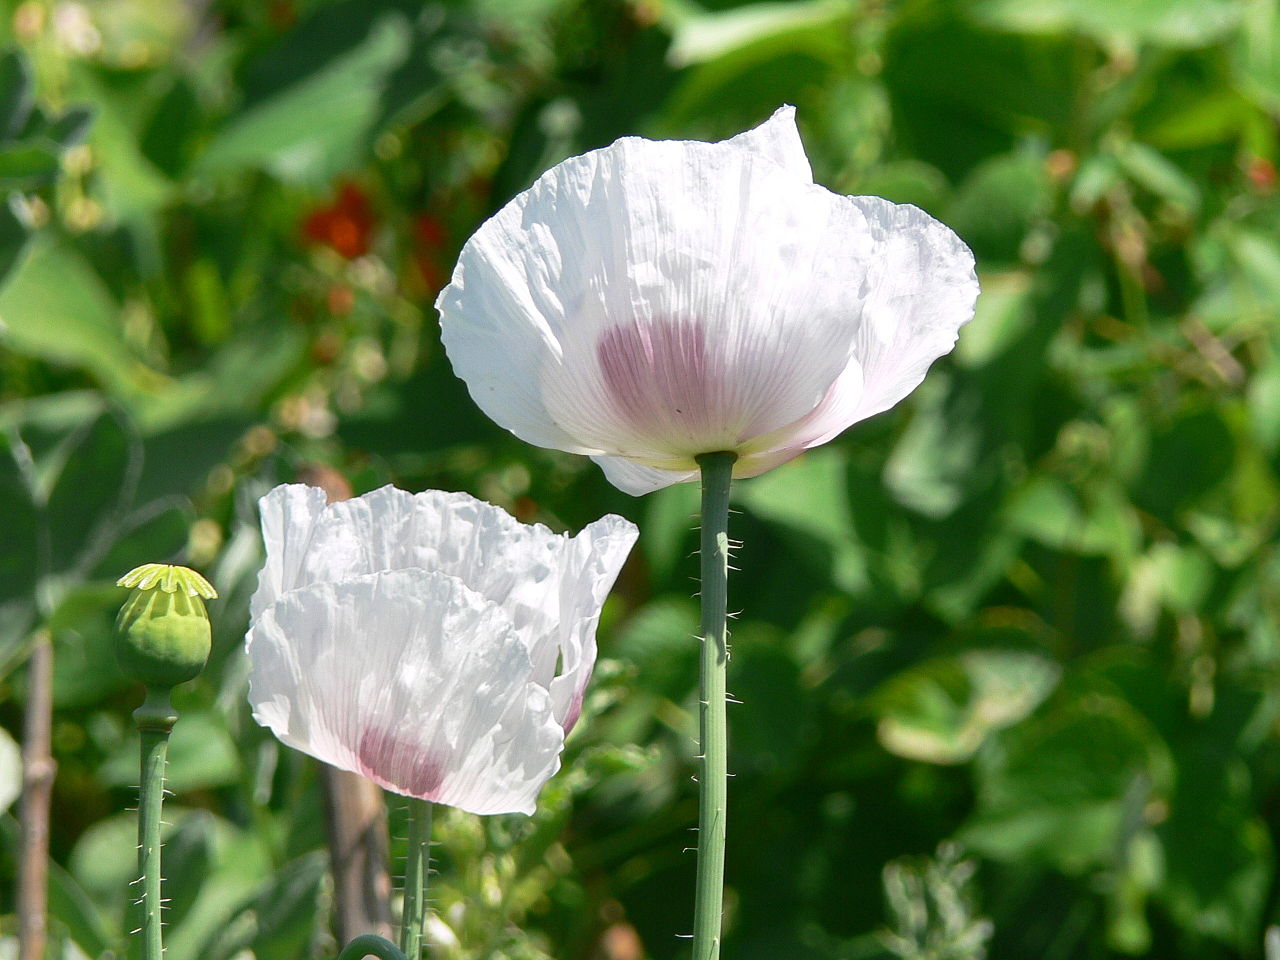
(430, 642)
(655, 300)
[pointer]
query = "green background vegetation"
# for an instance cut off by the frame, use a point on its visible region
(1033, 612)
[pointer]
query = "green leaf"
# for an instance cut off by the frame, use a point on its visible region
(810, 496)
(1256, 54)
(1218, 853)
(1184, 574)
(318, 126)
(159, 531)
(92, 493)
(70, 129)
(1063, 788)
(766, 679)
(23, 553)
(1174, 23)
(742, 63)
(943, 710)
(179, 458)
(1154, 172)
(71, 906)
(700, 37)
(905, 181)
(997, 204)
(1264, 407)
(670, 518)
(55, 307)
(131, 187)
(997, 87)
(85, 671)
(24, 166)
(211, 867)
(201, 754)
(661, 640)
(231, 865)
(14, 237)
(1188, 459)
(935, 462)
(282, 918)
(1047, 510)
(1003, 315)
(17, 94)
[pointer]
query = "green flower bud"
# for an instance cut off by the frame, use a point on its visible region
(162, 633)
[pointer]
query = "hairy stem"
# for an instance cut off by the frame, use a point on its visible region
(717, 472)
(155, 720)
(38, 769)
(417, 863)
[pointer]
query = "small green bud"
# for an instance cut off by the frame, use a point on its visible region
(162, 633)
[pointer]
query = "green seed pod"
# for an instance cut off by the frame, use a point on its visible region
(162, 633)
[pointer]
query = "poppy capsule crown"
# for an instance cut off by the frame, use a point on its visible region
(163, 635)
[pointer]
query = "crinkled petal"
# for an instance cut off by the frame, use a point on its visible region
(589, 566)
(779, 140)
(288, 513)
(411, 679)
(657, 300)
(552, 586)
(921, 289)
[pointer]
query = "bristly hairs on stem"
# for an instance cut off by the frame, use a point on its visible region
(717, 472)
(417, 868)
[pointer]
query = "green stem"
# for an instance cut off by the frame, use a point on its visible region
(155, 719)
(369, 945)
(717, 472)
(417, 863)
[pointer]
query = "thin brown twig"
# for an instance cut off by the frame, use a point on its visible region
(357, 829)
(38, 769)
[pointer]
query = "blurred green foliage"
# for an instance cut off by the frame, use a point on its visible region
(1033, 612)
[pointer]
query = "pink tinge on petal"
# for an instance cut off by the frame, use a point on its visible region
(575, 707)
(657, 377)
(398, 765)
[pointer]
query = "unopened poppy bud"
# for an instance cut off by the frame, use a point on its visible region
(162, 632)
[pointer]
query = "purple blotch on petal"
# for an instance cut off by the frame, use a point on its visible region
(399, 765)
(657, 371)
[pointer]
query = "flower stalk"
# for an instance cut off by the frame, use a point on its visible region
(417, 865)
(155, 720)
(162, 639)
(717, 473)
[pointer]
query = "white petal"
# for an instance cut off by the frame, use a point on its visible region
(551, 586)
(412, 680)
(589, 565)
(921, 289)
(657, 300)
(289, 513)
(636, 479)
(779, 140)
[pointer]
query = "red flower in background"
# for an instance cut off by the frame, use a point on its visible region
(1261, 173)
(345, 226)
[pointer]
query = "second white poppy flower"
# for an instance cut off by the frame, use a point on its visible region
(430, 642)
